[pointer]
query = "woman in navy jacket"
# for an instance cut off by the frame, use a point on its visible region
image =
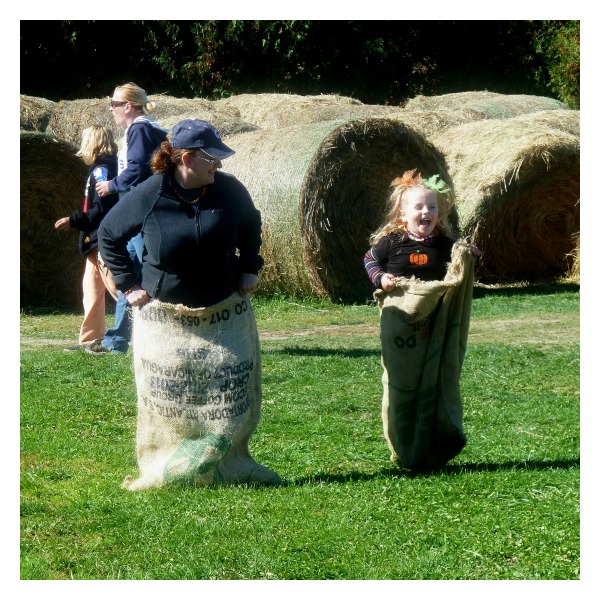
(201, 230)
(130, 109)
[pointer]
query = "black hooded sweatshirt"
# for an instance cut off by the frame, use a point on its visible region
(194, 254)
(95, 208)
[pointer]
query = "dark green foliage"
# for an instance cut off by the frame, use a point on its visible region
(558, 44)
(66, 60)
(377, 62)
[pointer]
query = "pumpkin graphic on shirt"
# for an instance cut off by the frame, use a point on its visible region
(416, 258)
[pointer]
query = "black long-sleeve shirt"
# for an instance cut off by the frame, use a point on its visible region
(95, 207)
(194, 254)
(402, 256)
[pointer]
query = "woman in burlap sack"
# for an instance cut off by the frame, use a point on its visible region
(195, 343)
(424, 282)
(99, 151)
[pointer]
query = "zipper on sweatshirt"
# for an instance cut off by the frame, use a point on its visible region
(198, 228)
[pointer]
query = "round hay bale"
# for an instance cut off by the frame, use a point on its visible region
(490, 104)
(35, 113)
(517, 193)
(573, 274)
(563, 120)
(508, 106)
(171, 110)
(431, 122)
(168, 106)
(71, 117)
(448, 101)
(322, 189)
(273, 111)
(52, 181)
(225, 123)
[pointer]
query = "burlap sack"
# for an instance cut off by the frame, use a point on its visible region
(424, 329)
(198, 377)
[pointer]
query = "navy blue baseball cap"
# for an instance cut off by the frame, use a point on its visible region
(193, 133)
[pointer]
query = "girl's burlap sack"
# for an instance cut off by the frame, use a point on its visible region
(198, 377)
(424, 329)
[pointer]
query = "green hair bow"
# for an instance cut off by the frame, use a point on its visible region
(436, 184)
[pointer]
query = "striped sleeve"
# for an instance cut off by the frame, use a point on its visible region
(373, 267)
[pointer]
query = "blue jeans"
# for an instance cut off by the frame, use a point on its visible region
(117, 338)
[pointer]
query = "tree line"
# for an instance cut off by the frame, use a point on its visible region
(376, 62)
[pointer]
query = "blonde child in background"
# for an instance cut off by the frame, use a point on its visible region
(99, 151)
(413, 239)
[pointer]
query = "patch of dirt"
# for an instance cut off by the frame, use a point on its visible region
(537, 331)
(334, 330)
(545, 331)
(29, 342)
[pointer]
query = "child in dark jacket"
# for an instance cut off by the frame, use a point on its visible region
(99, 151)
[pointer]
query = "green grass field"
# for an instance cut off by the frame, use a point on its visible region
(506, 508)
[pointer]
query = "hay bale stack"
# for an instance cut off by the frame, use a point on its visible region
(455, 101)
(517, 190)
(431, 122)
(508, 106)
(35, 113)
(322, 189)
(168, 106)
(573, 273)
(273, 111)
(52, 182)
(171, 110)
(71, 117)
(563, 120)
(225, 123)
(490, 104)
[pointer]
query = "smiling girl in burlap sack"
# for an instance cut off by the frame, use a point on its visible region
(425, 283)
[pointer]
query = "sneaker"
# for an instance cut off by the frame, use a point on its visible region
(73, 348)
(98, 349)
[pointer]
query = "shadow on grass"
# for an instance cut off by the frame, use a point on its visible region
(395, 472)
(539, 289)
(341, 352)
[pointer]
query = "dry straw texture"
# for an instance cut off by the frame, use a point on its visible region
(489, 104)
(431, 122)
(505, 107)
(573, 273)
(52, 184)
(563, 120)
(273, 111)
(448, 101)
(517, 189)
(226, 124)
(70, 117)
(322, 189)
(170, 110)
(35, 113)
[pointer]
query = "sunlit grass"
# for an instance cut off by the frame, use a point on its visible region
(506, 508)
